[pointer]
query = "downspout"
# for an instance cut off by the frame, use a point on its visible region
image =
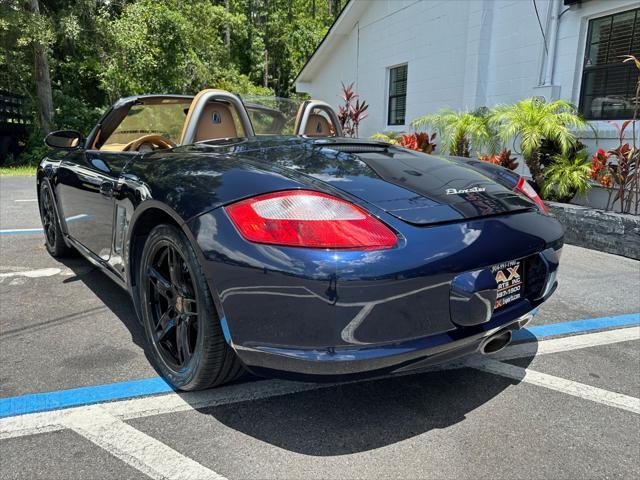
(553, 40)
(358, 55)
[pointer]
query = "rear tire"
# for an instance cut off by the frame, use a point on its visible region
(53, 236)
(179, 318)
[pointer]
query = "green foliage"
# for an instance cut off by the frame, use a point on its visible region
(531, 121)
(567, 176)
(23, 170)
(166, 46)
(72, 113)
(388, 137)
(99, 51)
(535, 123)
(459, 131)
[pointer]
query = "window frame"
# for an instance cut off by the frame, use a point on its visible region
(586, 70)
(390, 96)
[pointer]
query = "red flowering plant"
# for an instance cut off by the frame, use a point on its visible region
(420, 141)
(618, 170)
(600, 168)
(504, 159)
(351, 112)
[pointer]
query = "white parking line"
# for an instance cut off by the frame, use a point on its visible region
(22, 230)
(136, 448)
(179, 402)
(26, 200)
(41, 272)
(564, 344)
(577, 389)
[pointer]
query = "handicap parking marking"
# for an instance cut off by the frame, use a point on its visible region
(77, 397)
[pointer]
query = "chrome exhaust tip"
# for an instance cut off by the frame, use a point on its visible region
(524, 321)
(495, 343)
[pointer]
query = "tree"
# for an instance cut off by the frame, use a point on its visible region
(532, 122)
(459, 131)
(98, 51)
(43, 79)
(567, 176)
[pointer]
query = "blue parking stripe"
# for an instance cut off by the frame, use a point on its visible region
(21, 231)
(42, 402)
(29, 231)
(577, 326)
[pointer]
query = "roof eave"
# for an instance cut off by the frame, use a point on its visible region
(342, 26)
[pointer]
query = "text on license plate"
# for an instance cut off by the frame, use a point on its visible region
(510, 279)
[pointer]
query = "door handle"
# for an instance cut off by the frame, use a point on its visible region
(106, 188)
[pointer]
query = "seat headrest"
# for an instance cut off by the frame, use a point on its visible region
(216, 121)
(318, 126)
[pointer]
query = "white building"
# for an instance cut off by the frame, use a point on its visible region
(409, 58)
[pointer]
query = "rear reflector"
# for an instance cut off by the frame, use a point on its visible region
(527, 190)
(303, 218)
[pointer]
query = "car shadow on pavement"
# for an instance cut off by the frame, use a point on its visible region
(111, 295)
(336, 419)
(355, 417)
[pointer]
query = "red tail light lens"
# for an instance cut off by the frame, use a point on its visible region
(527, 190)
(302, 218)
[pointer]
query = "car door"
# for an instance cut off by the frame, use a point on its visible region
(86, 183)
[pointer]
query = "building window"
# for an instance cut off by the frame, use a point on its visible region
(608, 85)
(397, 95)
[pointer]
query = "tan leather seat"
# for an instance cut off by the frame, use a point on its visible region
(216, 121)
(318, 126)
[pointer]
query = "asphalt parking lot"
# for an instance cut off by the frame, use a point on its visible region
(79, 398)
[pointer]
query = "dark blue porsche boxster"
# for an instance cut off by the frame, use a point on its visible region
(251, 235)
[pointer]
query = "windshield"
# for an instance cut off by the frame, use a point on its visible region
(272, 115)
(165, 118)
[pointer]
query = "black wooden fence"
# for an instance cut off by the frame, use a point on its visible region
(13, 124)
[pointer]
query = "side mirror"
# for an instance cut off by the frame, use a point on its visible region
(64, 140)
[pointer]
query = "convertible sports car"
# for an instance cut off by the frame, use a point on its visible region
(303, 255)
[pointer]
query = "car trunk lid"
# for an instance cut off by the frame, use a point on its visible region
(420, 189)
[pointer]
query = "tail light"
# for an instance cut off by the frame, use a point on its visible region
(302, 218)
(527, 190)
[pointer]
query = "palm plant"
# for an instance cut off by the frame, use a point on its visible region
(567, 176)
(534, 122)
(459, 131)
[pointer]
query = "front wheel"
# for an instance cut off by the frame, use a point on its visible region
(179, 318)
(51, 224)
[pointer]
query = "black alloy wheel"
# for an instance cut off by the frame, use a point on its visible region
(54, 240)
(174, 309)
(178, 314)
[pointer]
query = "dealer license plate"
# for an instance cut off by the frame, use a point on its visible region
(510, 279)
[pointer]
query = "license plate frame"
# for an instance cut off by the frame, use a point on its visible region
(509, 276)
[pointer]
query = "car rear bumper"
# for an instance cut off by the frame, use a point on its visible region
(344, 364)
(315, 314)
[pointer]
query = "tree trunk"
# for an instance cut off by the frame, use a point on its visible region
(265, 78)
(43, 79)
(534, 164)
(227, 29)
